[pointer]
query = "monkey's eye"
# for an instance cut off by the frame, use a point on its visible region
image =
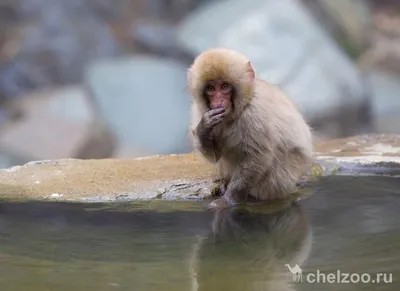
(226, 86)
(210, 88)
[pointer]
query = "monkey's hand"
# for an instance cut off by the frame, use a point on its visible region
(210, 119)
(205, 132)
(225, 201)
(219, 203)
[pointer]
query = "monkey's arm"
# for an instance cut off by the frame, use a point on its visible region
(239, 184)
(203, 135)
(206, 143)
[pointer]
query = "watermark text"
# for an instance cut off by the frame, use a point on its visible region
(338, 276)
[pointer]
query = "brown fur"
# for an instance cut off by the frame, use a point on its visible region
(266, 145)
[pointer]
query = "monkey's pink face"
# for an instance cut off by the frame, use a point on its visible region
(219, 94)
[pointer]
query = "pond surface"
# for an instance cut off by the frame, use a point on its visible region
(349, 225)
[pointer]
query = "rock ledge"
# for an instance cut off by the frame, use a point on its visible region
(177, 177)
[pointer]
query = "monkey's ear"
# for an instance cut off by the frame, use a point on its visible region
(250, 74)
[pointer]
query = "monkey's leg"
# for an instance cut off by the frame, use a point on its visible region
(279, 181)
(236, 190)
(245, 176)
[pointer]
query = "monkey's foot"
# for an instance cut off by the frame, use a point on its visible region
(219, 203)
(222, 202)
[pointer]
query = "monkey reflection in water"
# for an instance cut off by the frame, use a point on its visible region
(249, 251)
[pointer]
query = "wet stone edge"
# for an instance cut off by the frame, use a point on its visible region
(197, 190)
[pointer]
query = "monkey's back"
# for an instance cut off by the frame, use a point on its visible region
(281, 120)
(271, 120)
(271, 139)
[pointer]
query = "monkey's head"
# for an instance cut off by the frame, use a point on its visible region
(222, 77)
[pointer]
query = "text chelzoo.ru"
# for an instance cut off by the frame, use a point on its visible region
(346, 278)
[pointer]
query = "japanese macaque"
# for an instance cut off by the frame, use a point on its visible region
(258, 140)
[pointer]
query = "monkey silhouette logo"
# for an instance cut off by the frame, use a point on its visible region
(296, 272)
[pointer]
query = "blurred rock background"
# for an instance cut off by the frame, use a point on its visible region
(107, 78)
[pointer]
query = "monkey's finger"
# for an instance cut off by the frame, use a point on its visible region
(221, 115)
(216, 119)
(210, 119)
(215, 111)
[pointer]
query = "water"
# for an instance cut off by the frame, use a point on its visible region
(349, 224)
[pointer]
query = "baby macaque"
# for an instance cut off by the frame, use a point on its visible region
(257, 138)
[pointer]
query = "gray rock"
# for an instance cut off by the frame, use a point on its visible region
(60, 39)
(174, 9)
(159, 38)
(346, 19)
(288, 48)
(353, 15)
(386, 101)
(8, 160)
(143, 100)
(105, 9)
(54, 124)
(157, 35)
